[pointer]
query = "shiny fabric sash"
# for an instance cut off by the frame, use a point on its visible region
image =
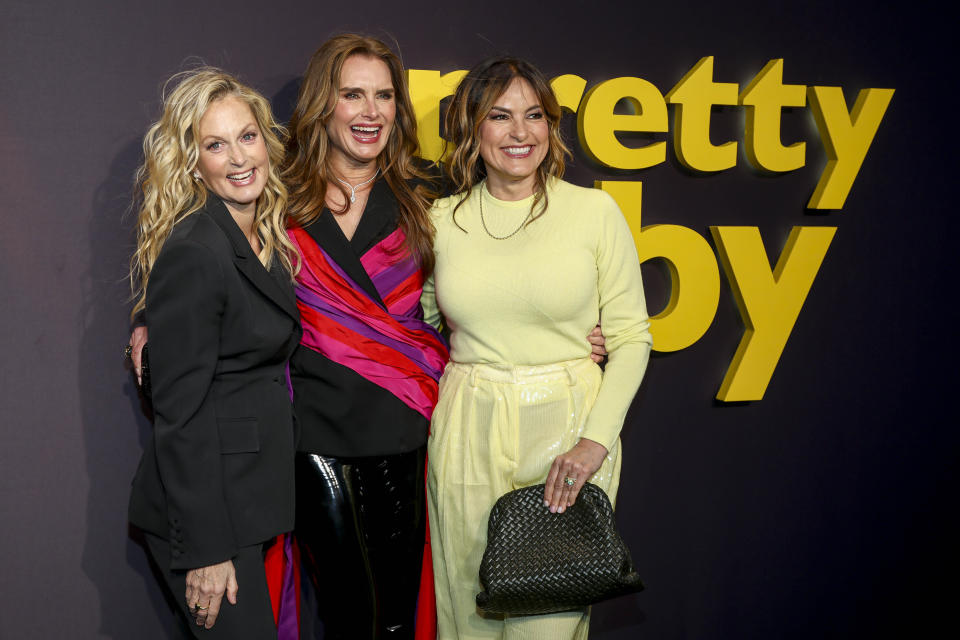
(281, 565)
(393, 348)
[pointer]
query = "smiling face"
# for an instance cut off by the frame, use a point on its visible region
(514, 140)
(233, 159)
(363, 118)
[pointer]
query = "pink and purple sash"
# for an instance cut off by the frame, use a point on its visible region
(393, 348)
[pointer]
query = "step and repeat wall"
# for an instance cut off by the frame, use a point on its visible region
(786, 170)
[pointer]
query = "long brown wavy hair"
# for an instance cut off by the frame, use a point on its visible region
(470, 105)
(307, 170)
(166, 191)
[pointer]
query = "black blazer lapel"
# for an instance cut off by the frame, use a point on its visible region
(379, 218)
(327, 234)
(268, 283)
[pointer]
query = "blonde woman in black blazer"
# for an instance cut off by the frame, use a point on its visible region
(213, 268)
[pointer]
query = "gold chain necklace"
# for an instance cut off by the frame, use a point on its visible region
(484, 222)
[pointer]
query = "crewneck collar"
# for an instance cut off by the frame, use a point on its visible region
(525, 203)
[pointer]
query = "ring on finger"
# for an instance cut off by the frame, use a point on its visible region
(569, 481)
(127, 350)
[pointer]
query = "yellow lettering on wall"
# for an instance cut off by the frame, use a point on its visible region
(597, 124)
(695, 95)
(568, 89)
(694, 276)
(769, 303)
(846, 138)
(764, 99)
(427, 89)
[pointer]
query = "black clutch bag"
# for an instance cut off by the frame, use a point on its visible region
(541, 562)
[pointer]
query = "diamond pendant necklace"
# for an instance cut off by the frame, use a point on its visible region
(353, 189)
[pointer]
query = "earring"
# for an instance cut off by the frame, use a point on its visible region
(196, 175)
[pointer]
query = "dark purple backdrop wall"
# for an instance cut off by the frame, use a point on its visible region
(828, 509)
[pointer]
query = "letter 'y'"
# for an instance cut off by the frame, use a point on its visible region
(846, 138)
(769, 302)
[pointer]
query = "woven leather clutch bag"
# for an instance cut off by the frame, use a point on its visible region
(541, 562)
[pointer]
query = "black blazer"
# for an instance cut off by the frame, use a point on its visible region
(218, 474)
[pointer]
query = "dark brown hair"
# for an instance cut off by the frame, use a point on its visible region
(471, 104)
(306, 168)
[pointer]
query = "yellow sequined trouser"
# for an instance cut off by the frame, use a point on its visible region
(496, 429)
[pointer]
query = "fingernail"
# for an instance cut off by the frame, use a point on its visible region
(560, 510)
(546, 504)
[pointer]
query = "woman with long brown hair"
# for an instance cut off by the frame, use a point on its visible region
(525, 265)
(365, 375)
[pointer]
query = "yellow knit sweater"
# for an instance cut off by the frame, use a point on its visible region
(533, 297)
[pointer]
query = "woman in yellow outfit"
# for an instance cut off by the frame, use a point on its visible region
(526, 264)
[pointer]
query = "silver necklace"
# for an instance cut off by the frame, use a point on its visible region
(353, 189)
(484, 222)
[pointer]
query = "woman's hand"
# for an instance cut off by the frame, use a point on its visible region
(137, 339)
(596, 340)
(570, 471)
(205, 590)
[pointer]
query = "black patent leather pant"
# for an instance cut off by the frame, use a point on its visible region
(360, 527)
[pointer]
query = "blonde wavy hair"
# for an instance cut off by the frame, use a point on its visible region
(166, 190)
(469, 107)
(307, 169)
